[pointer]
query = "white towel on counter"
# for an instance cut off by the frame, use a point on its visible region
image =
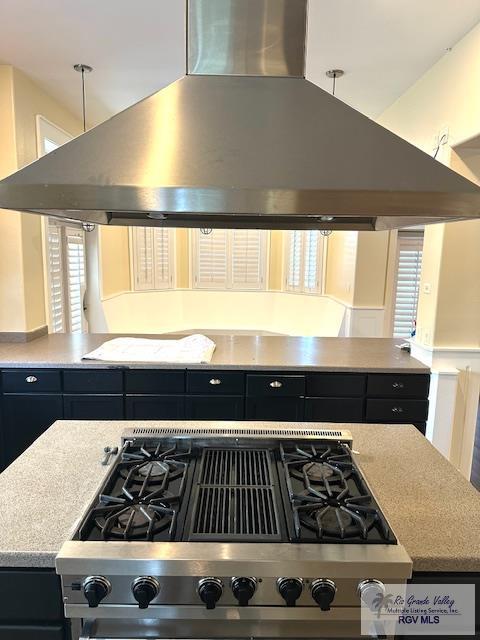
(194, 349)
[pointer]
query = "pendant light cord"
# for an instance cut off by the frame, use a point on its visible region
(84, 102)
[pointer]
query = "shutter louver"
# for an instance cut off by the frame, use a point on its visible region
(143, 258)
(163, 272)
(304, 261)
(75, 260)
(211, 260)
(409, 266)
(246, 252)
(55, 268)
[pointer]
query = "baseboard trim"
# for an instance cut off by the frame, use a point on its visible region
(23, 336)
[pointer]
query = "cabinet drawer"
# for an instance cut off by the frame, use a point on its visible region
(396, 410)
(215, 382)
(31, 381)
(275, 385)
(85, 407)
(28, 596)
(398, 386)
(169, 407)
(154, 381)
(214, 408)
(336, 385)
(334, 409)
(282, 409)
(92, 381)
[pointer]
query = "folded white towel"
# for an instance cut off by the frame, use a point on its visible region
(195, 349)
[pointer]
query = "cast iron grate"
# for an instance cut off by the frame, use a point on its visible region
(235, 497)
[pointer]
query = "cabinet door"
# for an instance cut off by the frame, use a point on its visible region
(85, 407)
(396, 410)
(214, 408)
(155, 407)
(25, 417)
(334, 409)
(281, 409)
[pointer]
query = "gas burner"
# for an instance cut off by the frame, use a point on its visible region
(135, 518)
(318, 471)
(154, 464)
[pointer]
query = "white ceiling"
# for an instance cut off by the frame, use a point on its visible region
(137, 46)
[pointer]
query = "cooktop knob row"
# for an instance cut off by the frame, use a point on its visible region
(210, 591)
(144, 590)
(95, 589)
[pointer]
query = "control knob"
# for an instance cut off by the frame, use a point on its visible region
(144, 590)
(290, 589)
(95, 589)
(210, 591)
(323, 592)
(369, 589)
(243, 589)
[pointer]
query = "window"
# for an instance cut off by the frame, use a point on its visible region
(304, 261)
(409, 266)
(229, 259)
(65, 252)
(66, 262)
(152, 258)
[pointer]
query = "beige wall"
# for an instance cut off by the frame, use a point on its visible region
(340, 265)
(22, 299)
(114, 260)
(447, 96)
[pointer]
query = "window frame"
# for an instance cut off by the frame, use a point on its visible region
(264, 259)
(322, 249)
(47, 130)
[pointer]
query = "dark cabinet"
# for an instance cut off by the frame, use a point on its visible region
(337, 385)
(273, 385)
(24, 418)
(396, 410)
(216, 382)
(282, 409)
(36, 632)
(205, 407)
(334, 409)
(143, 407)
(398, 386)
(32, 381)
(154, 381)
(93, 407)
(92, 381)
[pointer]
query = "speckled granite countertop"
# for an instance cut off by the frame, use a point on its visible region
(232, 352)
(434, 511)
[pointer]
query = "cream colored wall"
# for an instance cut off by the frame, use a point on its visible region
(276, 260)
(22, 299)
(114, 260)
(340, 266)
(447, 96)
(12, 301)
(371, 269)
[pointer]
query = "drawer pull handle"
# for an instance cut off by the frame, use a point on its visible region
(397, 410)
(31, 379)
(215, 381)
(276, 384)
(398, 385)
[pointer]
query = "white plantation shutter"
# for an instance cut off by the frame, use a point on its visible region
(210, 259)
(75, 259)
(152, 258)
(229, 259)
(304, 261)
(409, 266)
(247, 258)
(55, 263)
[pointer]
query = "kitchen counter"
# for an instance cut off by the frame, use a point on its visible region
(434, 511)
(233, 352)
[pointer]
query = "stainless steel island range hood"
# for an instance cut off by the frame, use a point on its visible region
(243, 140)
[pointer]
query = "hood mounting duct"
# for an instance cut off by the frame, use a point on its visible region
(242, 140)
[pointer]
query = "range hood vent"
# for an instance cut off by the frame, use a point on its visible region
(243, 140)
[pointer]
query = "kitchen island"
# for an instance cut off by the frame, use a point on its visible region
(433, 510)
(249, 378)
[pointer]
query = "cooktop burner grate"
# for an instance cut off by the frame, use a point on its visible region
(235, 497)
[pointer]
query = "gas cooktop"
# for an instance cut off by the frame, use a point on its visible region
(290, 491)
